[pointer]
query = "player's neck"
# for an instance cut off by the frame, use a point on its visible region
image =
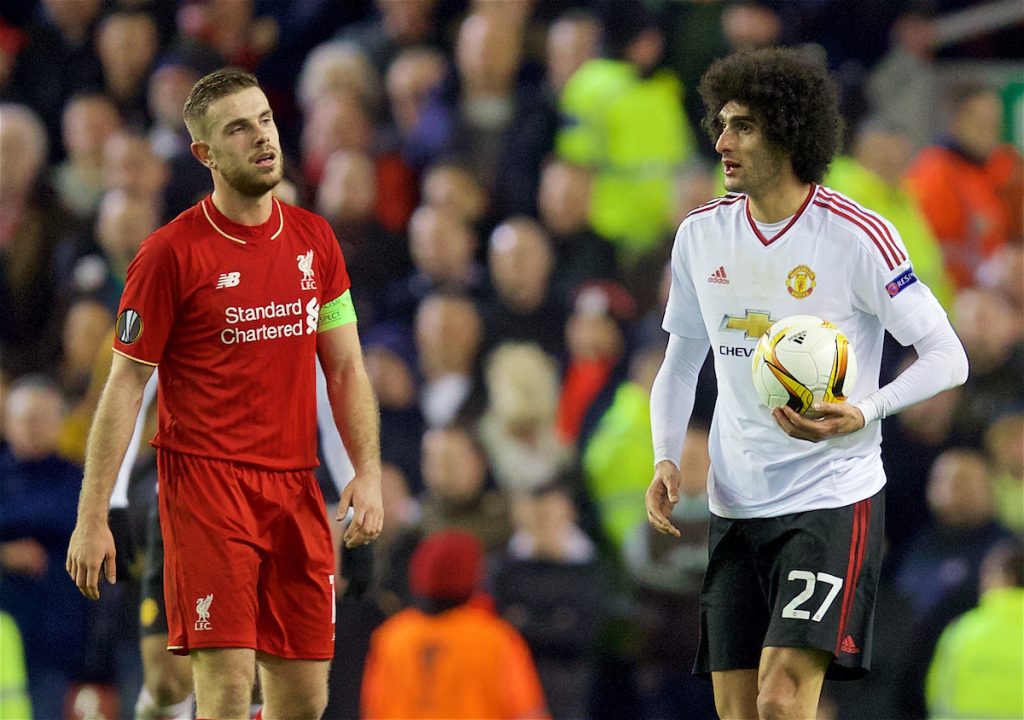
(240, 208)
(779, 201)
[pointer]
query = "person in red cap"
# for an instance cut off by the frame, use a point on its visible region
(449, 656)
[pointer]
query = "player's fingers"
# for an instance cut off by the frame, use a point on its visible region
(344, 503)
(110, 566)
(89, 581)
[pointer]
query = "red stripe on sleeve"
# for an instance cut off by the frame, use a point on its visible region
(871, 234)
(874, 220)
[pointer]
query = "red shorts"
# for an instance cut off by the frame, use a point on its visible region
(248, 559)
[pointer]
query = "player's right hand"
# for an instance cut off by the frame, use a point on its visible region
(363, 495)
(662, 496)
(91, 550)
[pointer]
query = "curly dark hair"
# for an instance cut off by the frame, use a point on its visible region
(792, 96)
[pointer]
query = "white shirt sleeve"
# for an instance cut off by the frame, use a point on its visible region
(941, 364)
(119, 496)
(673, 395)
(332, 451)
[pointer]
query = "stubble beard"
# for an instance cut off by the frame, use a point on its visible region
(253, 184)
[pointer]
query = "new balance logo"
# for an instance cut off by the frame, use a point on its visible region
(719, 277)
(228, 279)
(849, 646)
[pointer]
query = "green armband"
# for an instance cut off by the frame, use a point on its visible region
(337, 312)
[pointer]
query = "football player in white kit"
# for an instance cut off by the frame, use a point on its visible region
(797, 503)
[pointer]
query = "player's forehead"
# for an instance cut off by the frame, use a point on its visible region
(245, 104)
(734, 110)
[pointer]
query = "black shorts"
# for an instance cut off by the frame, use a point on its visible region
(806, 580)
(152, 611)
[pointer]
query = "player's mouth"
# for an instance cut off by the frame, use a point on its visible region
(729, 167)
(266, 159)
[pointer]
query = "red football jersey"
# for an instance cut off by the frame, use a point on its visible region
(230, 312)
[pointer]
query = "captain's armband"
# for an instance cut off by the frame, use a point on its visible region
(337, 312)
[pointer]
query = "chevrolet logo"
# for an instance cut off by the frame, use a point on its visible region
(753, 324)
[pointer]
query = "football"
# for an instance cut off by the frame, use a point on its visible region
(800, 360)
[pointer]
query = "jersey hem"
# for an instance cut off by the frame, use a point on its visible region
(234, 460)
(792, 508)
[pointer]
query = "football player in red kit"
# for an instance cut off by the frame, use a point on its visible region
(234, 300)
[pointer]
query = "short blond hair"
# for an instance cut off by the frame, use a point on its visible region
(209, 88)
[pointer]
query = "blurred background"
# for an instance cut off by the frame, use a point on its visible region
(505, 178)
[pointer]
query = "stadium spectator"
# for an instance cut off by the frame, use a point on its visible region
(59, 59)
(411, 78)
(914, 439)
(873, 175)
(127, 43)
(970, 186)
(942, 564)
(477, 665)
(14, 698)
(38, 494)
(518, 427)
(522, 306)
(399, 24)
(1004, 444)
(231, 28)
(89, 121)
(458, 496)
(618, 457)
(87, 327)
(450, 186)
(338, 68)
(448, 333)
(550, 586)
(903, 87)
(667, 577)
(391, 363)
(991, 332)
(595, 337)
(979, 660)
(563, 201)
(36, 237)
(624, 119)
(337, 121)
(131, 166)
(443, 251)
(374, 256)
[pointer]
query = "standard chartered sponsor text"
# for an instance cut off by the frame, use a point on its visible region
(232, 335)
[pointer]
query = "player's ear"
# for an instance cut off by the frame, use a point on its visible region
(201, 152)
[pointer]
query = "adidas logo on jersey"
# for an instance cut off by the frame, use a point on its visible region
(229, 279)
(849, 646)
(719, 276)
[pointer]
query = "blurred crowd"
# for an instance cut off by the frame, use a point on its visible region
(504, 177)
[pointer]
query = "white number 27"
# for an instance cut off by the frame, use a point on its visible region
(791, 610)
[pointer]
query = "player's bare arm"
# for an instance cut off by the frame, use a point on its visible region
(662, 496)
(358, 420)
(832, 420)
(91, 549)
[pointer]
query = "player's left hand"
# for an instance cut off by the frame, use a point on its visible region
(832, 419)
(363, 495)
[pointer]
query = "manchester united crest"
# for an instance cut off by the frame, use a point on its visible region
(800, 281)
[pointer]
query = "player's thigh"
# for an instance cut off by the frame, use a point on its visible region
(297, 578)
(735, 693)
(296, 686)
(223, 679)
(824, 568)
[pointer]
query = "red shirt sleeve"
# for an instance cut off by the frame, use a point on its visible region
(149, 303)
(334, 273)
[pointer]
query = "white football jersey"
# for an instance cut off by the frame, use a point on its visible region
(731, 279)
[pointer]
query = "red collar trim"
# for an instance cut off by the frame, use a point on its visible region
(768, 241)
